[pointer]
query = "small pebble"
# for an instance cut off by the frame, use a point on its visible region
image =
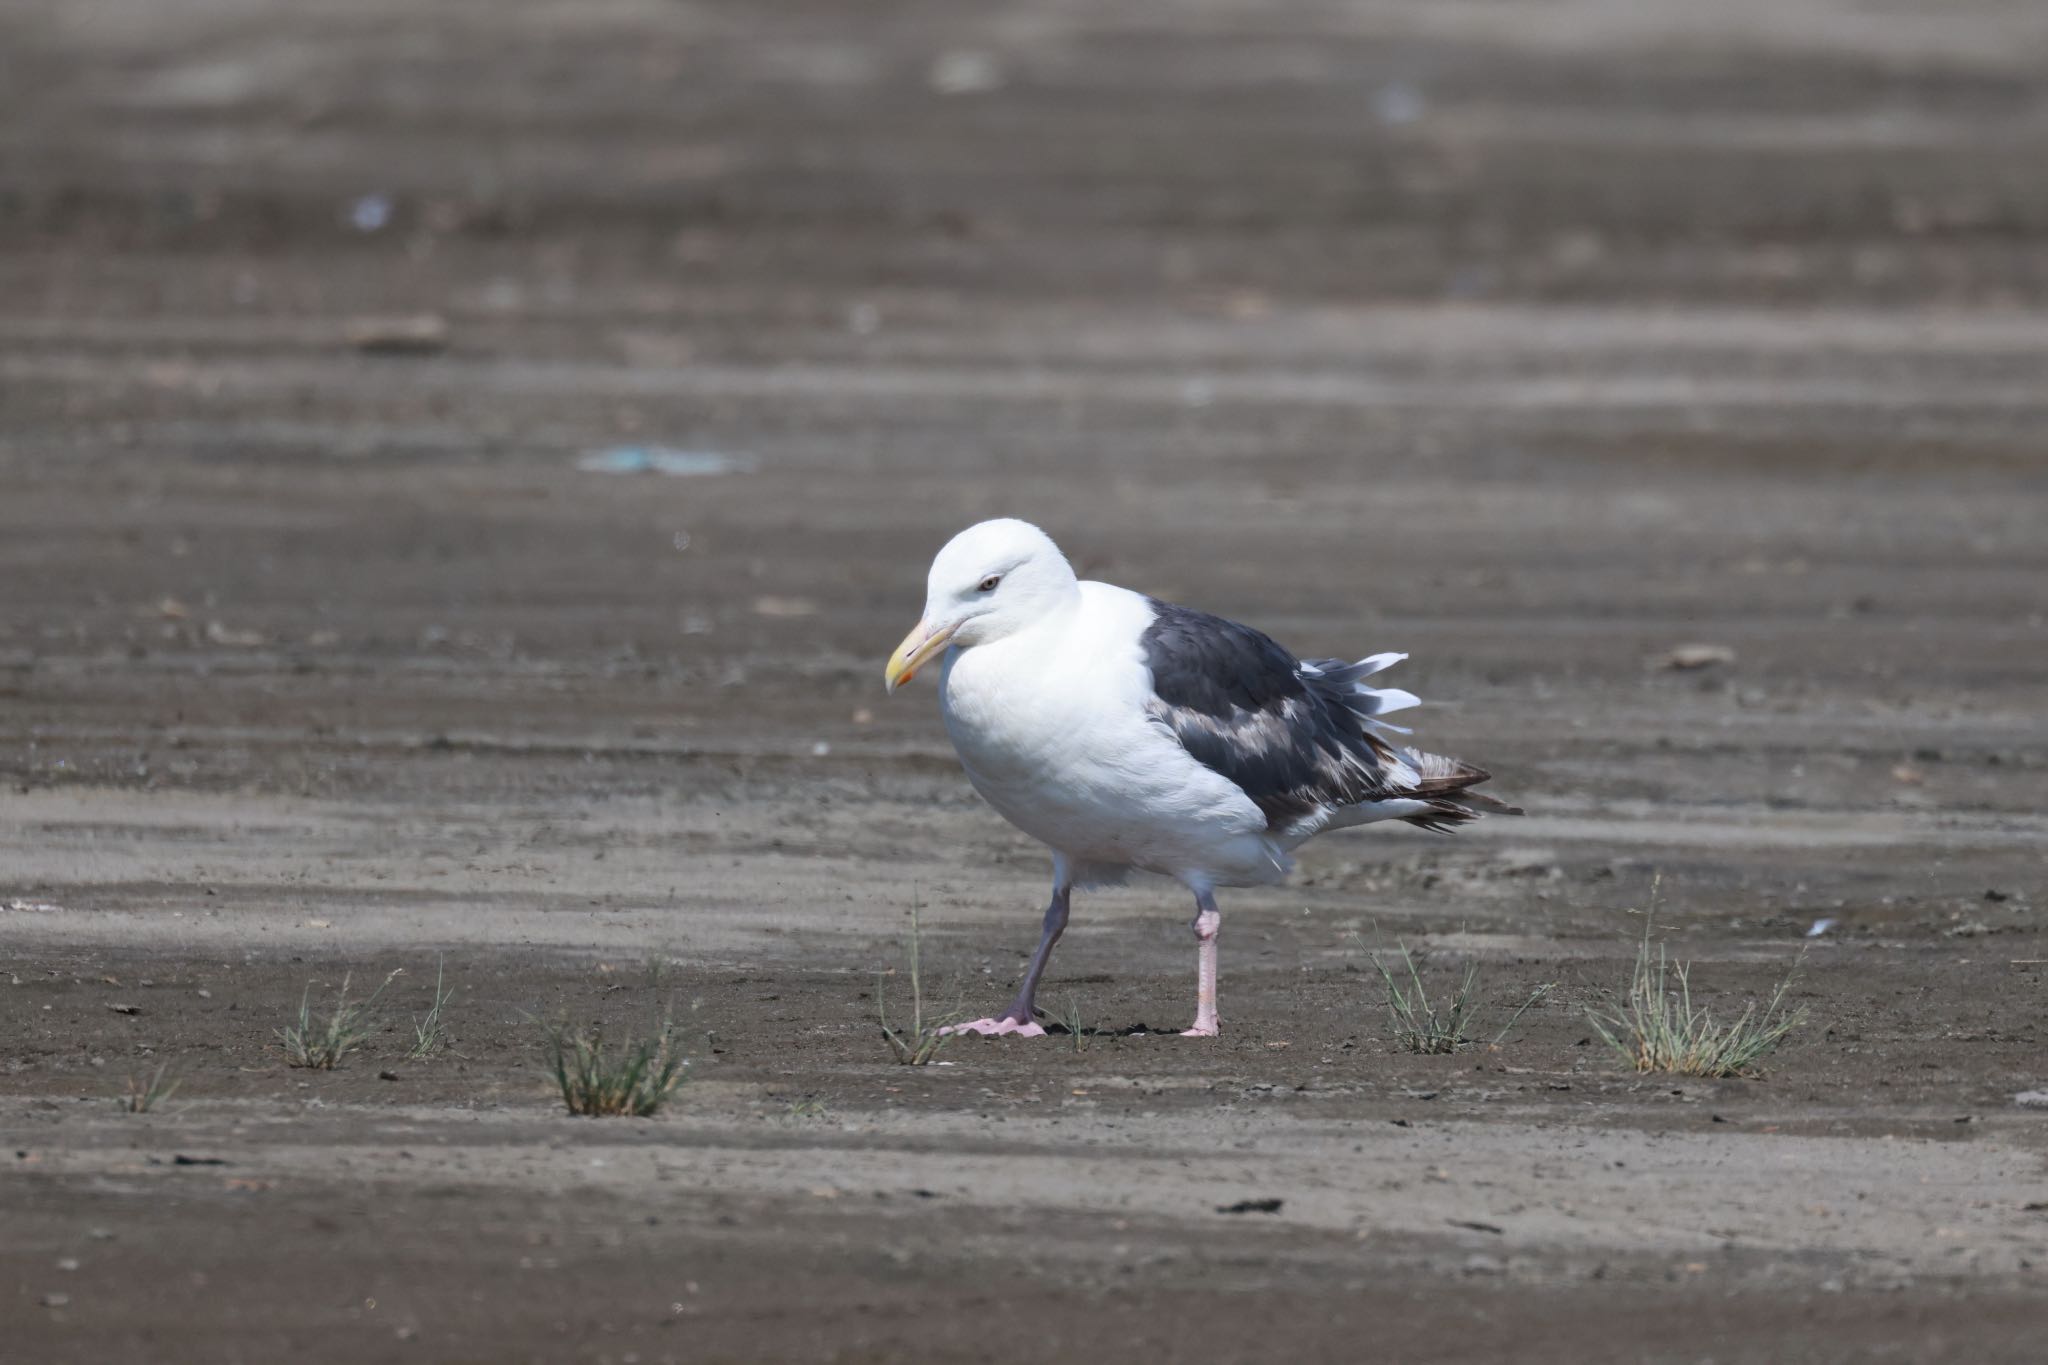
(1699, 656)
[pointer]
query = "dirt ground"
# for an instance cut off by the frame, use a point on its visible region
(1535, 339)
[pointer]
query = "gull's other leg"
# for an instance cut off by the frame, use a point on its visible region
(1020, 1017)
(1207, 921)
(1025, 1006)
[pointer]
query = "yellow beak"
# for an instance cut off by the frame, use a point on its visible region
(918, 648)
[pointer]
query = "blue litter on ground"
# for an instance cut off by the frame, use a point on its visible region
(662, 460)
(370, 212)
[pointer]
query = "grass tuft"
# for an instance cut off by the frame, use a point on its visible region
(429, 1033)
(922, 1041)
(1072, 1022)
(1654, 1026)
(1421, 1025)
(321, 1043)
(144, 1095)
(635, 1080)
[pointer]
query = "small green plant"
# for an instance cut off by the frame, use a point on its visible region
(321, 1043)
(1420, 1025)
(1071, 1021)
(428, 1034)
(922, 1041)
(1654, 1026)
(636, 1080)
(144, 1095)
(809, 1107)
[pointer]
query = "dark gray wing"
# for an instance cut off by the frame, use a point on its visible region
(1243, 706)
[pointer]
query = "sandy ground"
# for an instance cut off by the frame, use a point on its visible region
(1536, 340)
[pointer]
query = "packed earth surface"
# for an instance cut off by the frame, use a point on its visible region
(462, 468)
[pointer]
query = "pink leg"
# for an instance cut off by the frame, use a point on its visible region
(1207, 921)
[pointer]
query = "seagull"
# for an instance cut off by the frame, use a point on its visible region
(1128, 734)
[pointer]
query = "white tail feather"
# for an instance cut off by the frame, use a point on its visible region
(1385, 699)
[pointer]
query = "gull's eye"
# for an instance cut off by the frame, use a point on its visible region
(989, 584)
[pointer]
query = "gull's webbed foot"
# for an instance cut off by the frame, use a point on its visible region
(999, 1027)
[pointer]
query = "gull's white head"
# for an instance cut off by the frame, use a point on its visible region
(993, 579)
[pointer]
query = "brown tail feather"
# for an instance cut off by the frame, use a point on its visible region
(1442, 817)
(1447, 783)
(1484, 801)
